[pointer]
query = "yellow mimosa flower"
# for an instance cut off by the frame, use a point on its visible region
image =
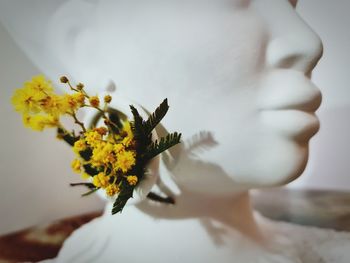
(76, 165)
(132, 179)
(40, 85)
(101, 180)
(127, 141)
(101, 130)
(39, 122)
(127, 130)
(24, 101)
(112, 190)
(79, 146)
(125, 161)
(94, 101)
(85, 176)
(93, 138)
(71, 102)
(118, 148)
(102, 154)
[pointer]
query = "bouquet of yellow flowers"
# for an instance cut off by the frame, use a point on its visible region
(113, 156)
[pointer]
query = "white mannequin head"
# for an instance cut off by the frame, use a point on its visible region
(238, 69)
(231, 68)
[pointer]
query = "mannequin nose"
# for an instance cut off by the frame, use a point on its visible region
(293, 44)
(300, 51)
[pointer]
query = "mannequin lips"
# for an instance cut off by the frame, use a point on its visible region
(288, 102)
(292, 123)
(288, 89)
(308, 101)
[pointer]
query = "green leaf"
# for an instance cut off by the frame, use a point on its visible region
(64, 134)
(88, 185)
(165, 143)
(114, 118)
(156, 117)
(86, 154)
(90, 170)
(120, 203)
(90, 192)
(138, 124)
(125, 194)
(157, 198)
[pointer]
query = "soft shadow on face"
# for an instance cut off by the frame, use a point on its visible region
(194, 195)
(193, 179)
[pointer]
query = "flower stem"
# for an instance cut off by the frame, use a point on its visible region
(78, 122)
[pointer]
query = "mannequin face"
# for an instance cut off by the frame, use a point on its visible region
(238, 69)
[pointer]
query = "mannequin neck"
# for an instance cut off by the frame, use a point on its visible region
(232, 211)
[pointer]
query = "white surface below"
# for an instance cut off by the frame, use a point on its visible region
(136, 237)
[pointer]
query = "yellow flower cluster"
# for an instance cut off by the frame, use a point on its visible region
(76, 165)
(132, 179)
(101, 180)
(114, 156)
(39, 122)
(41, 107)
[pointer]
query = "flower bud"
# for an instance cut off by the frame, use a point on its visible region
(64, 79)
(94, 101)
(108, 98)
(101, 130)
(80, 86)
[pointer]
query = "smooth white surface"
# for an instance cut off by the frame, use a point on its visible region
(201, 240)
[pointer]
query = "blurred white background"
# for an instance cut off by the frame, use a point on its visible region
(35, 168)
